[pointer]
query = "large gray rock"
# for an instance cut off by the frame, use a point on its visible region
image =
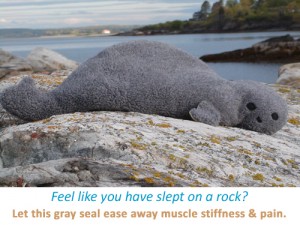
(43, 59)
(289, 74)
(10, 63)
(39, 60)
(132, 149)
(80, 172)
(5, 57)
(147, 150)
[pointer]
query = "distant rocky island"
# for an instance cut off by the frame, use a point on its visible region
(283, 49)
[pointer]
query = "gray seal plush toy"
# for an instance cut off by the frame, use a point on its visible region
(153, 78)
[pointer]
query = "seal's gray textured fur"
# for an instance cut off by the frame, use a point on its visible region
(154, 78)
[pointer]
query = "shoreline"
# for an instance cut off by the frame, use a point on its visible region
(75, 36)
(130, 34)
(139, 33)
(60, 36)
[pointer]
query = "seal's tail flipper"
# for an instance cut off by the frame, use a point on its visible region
(25, 101)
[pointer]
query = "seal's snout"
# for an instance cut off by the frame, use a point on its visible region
(264, 120)
(262, 109)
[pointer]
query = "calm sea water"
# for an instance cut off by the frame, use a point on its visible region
(80, 49)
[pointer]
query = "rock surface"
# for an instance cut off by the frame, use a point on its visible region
(132, 149)
(39, 60)
(278, 49)
(43, 59)
(289, 74)
(10, 63)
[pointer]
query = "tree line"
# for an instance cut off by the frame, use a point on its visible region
(237, 15)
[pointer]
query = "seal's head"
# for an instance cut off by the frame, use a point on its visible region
(261, 109)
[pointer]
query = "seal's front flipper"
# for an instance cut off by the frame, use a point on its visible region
(206, 113)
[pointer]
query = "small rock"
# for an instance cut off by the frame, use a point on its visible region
(43, 59)
(285, 38)
(10, 63)
(289, 74)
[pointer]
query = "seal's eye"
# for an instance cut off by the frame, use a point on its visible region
(251, 106)
(275, 116)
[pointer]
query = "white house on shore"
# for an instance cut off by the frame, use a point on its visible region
(106, 31)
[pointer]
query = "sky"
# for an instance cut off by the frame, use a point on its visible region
(77, 13)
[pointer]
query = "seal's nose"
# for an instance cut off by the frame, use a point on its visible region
(275, 116)
(259, 119)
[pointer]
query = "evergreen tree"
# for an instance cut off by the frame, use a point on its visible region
(205, 8)
(247, 3)
(231, 3)
(216, 6)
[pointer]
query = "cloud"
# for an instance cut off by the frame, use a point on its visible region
(75, 21)
(2, 20)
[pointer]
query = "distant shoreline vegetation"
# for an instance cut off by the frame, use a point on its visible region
(233, 16)
(66, 32)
